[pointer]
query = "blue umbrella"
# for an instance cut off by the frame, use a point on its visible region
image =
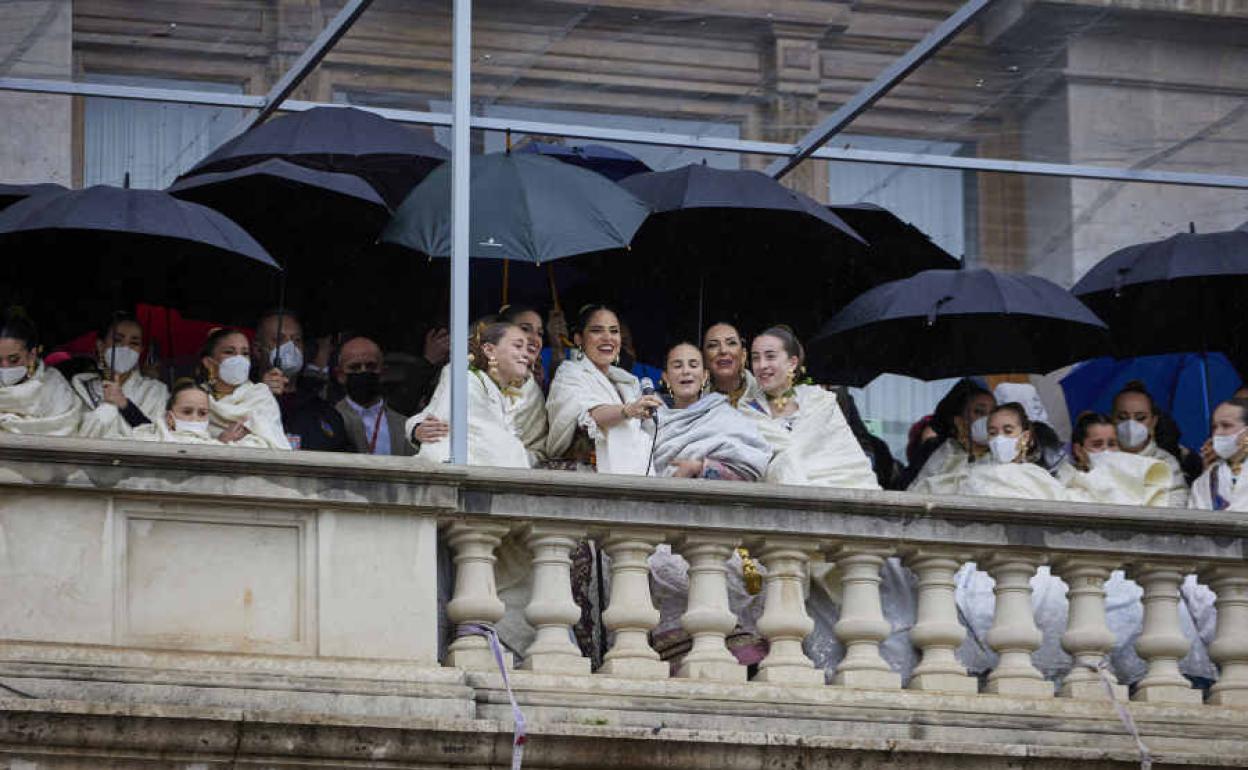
(612, 163)
(1176, 381)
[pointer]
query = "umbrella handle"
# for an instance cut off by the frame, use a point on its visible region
(506, 279)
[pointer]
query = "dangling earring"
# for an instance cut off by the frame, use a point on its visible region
(792, 377)
(491, 367)
(616, 361)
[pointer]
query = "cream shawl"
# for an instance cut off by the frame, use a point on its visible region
(815, 446)
(1120, 478)
(946, 459)
(1012, 480)
(41, 405)
(530, 414)
(493, 438)
(1228, 488)
(577, 388)
(1177, 497)
(101, 419)
(253, 404)
(157, 430)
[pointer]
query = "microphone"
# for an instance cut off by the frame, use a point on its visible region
(647, 389)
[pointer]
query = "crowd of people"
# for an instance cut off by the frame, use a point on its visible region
(726, 407)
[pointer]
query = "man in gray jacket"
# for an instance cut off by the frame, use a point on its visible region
(372, 426)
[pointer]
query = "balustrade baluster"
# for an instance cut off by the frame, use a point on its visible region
(1014, 634)
(937, 632)
(708, 618)
(631, 614)
(552, 610)
(862, 625)
(1162, 643)
(785, 622)
(1230, 643)
(475, 599)
(1087, 638)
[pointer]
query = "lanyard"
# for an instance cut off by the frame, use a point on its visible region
(372, 442)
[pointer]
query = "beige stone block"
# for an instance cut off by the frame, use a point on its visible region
(1168, 694)
(635, 668)
(868, 679)
(792, 676)
(1026, 688)
(1229, 698)
(713, 671)
(1091, 691)
(477, 659)
(960, 683)
(556, 664)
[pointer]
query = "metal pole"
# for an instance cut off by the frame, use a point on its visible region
(461, 135)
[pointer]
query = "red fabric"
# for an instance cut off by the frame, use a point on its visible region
(174, 335)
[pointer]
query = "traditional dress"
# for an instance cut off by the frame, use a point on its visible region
(1177, 497)
(579, 387)
(1119, 478)
(157, 430)
(948, 460)
(41, 405)
(712, 431)
(253, 404)
(747, 390)
(493, 438)
(100, 419)
(815, 445)
(1218, 489)
(531, 421)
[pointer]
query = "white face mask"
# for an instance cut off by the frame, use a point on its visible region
(1227, 447)
(1097, 459)
(234, 370)
(292, 358)
(120, 360)
(979, 431)
(190, 426)
(1132, 434)
(1004, 448)
(12, 375)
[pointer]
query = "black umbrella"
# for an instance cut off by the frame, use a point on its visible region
(897, 250)
(525, 207)
(739, 246)
(950, 323)
(79, 254)
(612, 163)
(389, 156)
(1181, 295)
(12, 193)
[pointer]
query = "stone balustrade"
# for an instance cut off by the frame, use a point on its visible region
(150, 594)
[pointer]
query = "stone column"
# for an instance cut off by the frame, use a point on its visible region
(1230, 644)
(1087, 638)
(937, 632)
(784, 621)
(475, 599)
(708, 618)
(552, 611)
(631, 613)
(1162, 643)
(1014, 634)
(862, 625)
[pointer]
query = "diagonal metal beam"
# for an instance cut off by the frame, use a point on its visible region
(883, 83)
(306, 62)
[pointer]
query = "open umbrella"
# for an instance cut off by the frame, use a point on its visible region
(612, 163)
(389, 156)
(524, 207)
(12, 193)
(736, 245)
(79, 254)
(951, 323)
(897, 248)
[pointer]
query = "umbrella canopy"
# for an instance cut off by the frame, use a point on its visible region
(12, 193)
(1183, 294)
(84, 252)
(612, 163)
(951, 323)
(524, 207)
(390, 157)
(738, 246)
(898, 249)
(289, 207)
(1178, 382)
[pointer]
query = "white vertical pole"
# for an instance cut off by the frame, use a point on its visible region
(461, 64)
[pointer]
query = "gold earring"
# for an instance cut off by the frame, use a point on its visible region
(491, 367)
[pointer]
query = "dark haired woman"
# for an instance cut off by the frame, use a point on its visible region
(961, 427)
(117, 398)
(1218, 488)
(803, 423)
(1136, 419)
(186, 420)
(239, 407)
(725, 356)
(34, 399)
(1098, 472)
(500, 365)
(599, 418)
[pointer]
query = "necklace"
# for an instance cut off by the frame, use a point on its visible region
(778, 403)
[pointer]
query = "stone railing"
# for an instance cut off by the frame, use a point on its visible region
(169, 605)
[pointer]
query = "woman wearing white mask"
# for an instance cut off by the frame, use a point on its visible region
(1135, 418)
(34, 399)
(599, 418)
(1218, 488)
(238, 407)
(117, 398)
(186, 420)
(1097, 472)
(1014, 471)
(803, 424)
(965, 442)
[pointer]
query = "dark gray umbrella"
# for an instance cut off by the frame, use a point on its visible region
(83, 253)
(897, 248)
(951, 323)
(12, 193)
(391, 157)
(525, 207)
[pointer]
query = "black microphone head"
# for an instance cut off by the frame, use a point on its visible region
(647, 386)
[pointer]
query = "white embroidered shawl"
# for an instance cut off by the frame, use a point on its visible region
(101, 419)
(578, 387)
(253, 404)
(41, 405)
(493, 439)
